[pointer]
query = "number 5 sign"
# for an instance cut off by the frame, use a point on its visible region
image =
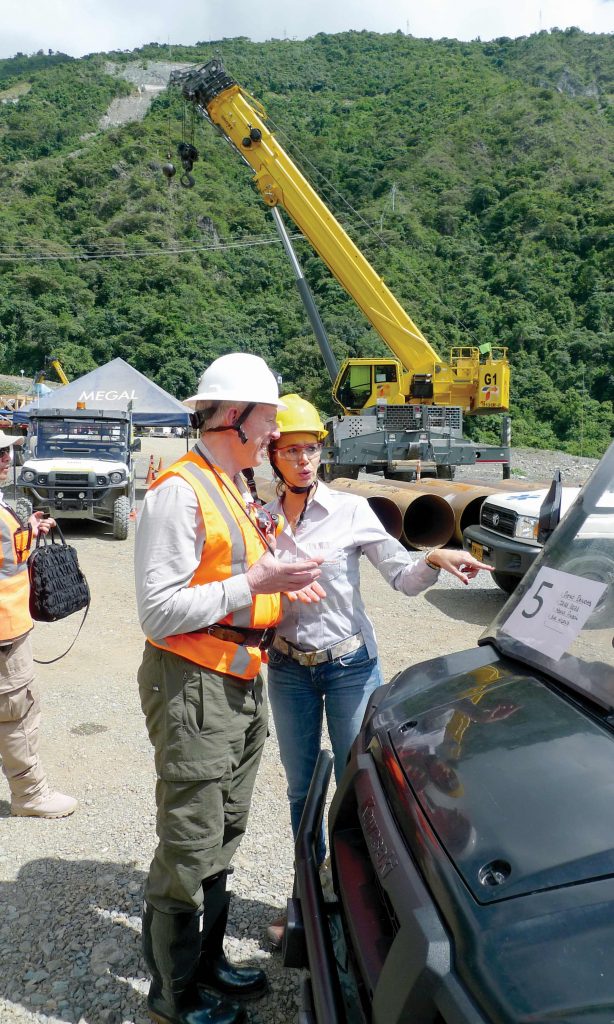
(553, 611)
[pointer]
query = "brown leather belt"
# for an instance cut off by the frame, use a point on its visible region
(262, 638)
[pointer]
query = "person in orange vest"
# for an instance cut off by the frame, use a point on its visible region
(19, 699)
(208, 595)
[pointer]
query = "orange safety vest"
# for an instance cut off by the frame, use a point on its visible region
(232, 545)
(15, 540)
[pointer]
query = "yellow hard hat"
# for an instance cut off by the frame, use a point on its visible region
(300, 416)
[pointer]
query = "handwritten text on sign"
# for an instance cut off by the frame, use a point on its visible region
(553, 611)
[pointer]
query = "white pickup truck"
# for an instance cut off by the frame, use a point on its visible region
(506, 536)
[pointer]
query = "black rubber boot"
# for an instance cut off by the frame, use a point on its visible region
(171, 947)
(214, 970)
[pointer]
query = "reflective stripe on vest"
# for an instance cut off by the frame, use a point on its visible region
(232, 545)
(15, 618)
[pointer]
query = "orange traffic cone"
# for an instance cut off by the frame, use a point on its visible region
(159, 469)
(151, 473)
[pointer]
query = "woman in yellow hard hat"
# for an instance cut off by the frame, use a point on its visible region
(324, 655)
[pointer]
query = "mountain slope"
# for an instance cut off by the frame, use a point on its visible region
(475, 177)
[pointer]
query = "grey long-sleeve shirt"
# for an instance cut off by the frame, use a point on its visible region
(168, 549)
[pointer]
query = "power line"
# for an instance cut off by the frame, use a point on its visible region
(89, 255)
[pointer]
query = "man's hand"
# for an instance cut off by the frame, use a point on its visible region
(308, 595)
(269, 575)
(459, 563)
(41, 523)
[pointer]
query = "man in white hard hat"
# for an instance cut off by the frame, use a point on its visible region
(208, 594)
(19, 700)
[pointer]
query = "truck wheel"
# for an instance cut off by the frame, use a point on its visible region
(121, 517)
(506, 581)
(446, 472)
(332, 471)
(23, 509)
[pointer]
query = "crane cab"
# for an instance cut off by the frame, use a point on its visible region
(363, 382)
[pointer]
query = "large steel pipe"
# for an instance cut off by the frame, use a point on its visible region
(465, 500)
(428, 519)
(388, 513)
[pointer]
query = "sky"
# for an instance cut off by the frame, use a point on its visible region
(78, 27)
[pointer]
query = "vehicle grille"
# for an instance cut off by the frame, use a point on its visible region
(499, 520)
(417, 417)
(76, 479)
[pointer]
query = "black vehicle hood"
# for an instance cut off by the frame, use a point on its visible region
(515, 781)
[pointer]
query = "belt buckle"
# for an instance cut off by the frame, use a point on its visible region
(310, 658)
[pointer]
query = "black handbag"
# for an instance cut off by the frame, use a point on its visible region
(57, 584)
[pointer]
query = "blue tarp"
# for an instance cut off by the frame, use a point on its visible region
(113, 386)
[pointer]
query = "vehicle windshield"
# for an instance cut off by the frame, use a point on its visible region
(102, 439)
(560, 618)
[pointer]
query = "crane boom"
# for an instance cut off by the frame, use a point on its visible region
(433, 393)
(242, 120)
(467, 380)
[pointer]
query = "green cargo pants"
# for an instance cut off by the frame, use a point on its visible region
(207, 731)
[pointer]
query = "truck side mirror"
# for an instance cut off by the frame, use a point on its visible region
(550, 511)
(136, 445)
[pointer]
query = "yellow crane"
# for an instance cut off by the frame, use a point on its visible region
(52, 363)
(433, 393)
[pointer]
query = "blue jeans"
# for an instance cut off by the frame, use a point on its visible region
(298, 696)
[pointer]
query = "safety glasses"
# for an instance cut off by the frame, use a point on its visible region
(295, 452)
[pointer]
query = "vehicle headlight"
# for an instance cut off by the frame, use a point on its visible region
(116, 478)
(101, 479)
(42, 479)
(28, 475)
(526, 527)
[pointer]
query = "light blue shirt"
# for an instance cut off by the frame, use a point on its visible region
(341, 527)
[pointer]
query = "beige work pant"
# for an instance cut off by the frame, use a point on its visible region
(19, 722)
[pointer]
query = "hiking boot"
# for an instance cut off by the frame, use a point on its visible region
(49, 805)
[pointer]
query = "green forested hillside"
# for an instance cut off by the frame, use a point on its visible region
(475, 176)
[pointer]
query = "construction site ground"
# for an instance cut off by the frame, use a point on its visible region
(70, 889)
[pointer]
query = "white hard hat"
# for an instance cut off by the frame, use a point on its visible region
(237, 377)
(6, 441)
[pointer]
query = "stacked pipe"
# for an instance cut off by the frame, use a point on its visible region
(465, 500)
(426, 520)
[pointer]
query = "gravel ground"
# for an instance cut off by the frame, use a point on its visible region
(70, 889)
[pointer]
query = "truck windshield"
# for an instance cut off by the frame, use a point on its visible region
(102, 439)
(560, 619)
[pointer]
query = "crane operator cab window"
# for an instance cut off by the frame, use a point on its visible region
(363, 382)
